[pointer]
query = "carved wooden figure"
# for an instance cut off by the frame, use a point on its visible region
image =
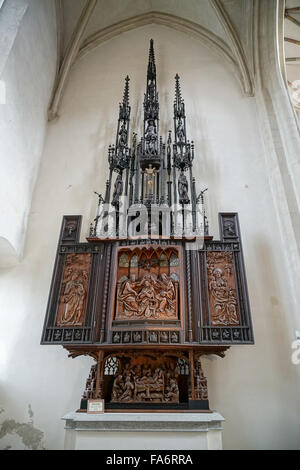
(72, 301)
(223, 299)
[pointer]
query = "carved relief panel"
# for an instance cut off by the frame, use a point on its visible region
(70, 230)
(74, 288)
(145, 379)
(147, 284)
(223, 303)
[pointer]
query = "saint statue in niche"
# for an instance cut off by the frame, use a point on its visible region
(151, 137)
(183, 188)
(180, 131)
(150, 133)
(153, 337)
(126, 338)
(151, 88)
(123, 136)
(118, 189)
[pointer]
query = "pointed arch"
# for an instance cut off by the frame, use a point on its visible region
(183, 25)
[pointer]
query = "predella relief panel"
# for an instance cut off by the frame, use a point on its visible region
(145, 382)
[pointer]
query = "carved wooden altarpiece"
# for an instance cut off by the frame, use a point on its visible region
(147, 304)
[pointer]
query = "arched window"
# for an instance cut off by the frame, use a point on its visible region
(174, 260)
(134, 261)
(111, 365)
(163, 261)
(182, 367)
(124, 260)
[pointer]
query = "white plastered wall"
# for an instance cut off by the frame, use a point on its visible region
(27, 71)
(255, 387)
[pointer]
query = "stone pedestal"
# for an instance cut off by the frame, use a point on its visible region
(143, 431)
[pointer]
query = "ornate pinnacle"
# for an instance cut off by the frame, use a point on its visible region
(151, 75)
(124, 106)
(178, 98)
(126, 92)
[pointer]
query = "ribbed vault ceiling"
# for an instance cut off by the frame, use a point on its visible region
(292, 50)
(292, 31)
(224, 25)
(110, 12)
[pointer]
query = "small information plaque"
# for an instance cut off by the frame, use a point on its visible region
(95, 406)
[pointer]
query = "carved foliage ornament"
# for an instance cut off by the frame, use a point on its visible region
(201, 392)
(222, 293)
(90, 387)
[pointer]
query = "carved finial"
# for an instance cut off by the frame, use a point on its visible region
(126, 92)
(124, 106)
(151, 75)
(178, 98)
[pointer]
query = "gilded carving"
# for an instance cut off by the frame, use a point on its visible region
(74, 290)
(222, 292)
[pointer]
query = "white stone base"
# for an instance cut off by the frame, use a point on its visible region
(143, 431)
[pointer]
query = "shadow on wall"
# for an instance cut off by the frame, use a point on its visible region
(14, 434)
(8, 255)
(268, 278)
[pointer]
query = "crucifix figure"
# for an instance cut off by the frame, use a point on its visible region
(150, 173)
